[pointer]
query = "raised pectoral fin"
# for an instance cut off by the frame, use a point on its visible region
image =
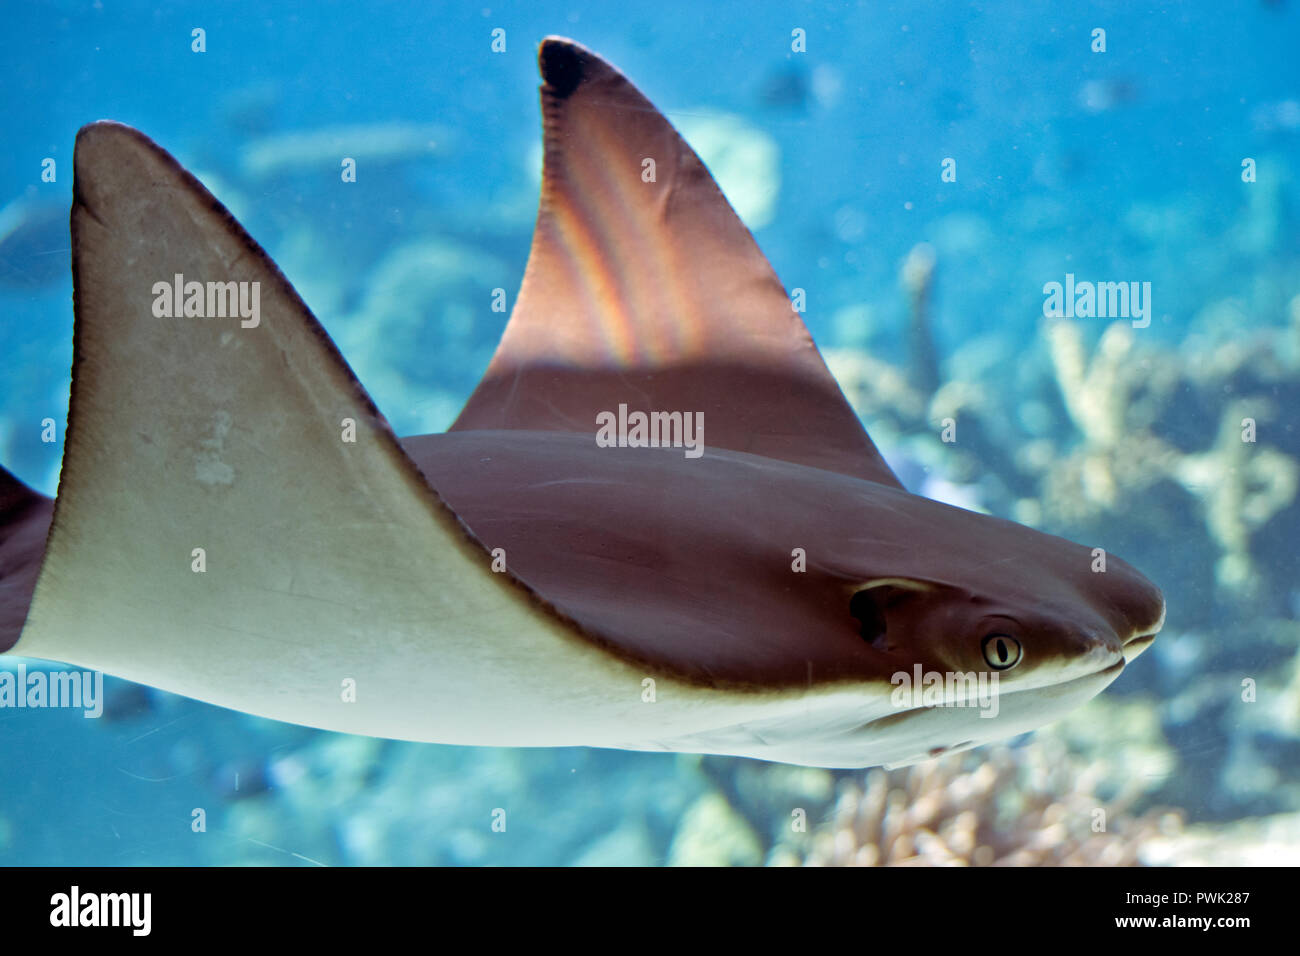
(644, 287)
(235, 519)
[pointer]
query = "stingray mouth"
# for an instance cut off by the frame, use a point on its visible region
(987, 697)
(1137, 644)
(934, 730)
(1144, 635)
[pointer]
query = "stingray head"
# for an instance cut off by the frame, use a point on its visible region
(1012, 629)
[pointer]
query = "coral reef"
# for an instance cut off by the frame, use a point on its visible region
(1265, 841)
(712, 834)
(1180, 456)
(448, 288)
(342, 800)
(1115, 450)
(1003, 806)
(744, 160)
(1129, 433)
(1117, 398)
(299, 150)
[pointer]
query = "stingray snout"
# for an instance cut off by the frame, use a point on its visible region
(1142, 607)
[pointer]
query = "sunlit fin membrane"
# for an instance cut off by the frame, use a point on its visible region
(644, 288)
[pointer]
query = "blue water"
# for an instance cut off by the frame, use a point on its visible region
(1117, 165)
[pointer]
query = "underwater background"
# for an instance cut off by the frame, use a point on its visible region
(1173, 157)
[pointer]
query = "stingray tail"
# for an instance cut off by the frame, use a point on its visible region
(24, 523)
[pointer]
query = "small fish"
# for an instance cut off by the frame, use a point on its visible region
(1102, 96)
(237, 523)
(786, 88)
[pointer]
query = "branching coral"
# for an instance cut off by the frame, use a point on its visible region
(1158, 433)
(876, 388)
(1241, 488)
(1097, 390)
(1114, 396)
(1001, 806)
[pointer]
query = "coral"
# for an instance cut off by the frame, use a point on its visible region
(366, 143)
(1001, 806)
(1145, 760)
(1241, 488)
(1097, 390)
(745, 161)
(909, 407)
(876, 388)
(1180, 455)
(1135, 443)
(1109, 397)
(712, 833)
(1116, 397)
(627, 845)
(427, 297)
(1265, 841)
(918, 280)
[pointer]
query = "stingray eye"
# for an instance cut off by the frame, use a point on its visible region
(1001, 651)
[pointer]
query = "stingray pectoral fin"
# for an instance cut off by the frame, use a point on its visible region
(235, 521)
(644, 287)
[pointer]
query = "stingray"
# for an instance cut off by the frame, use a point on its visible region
(236, 522)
